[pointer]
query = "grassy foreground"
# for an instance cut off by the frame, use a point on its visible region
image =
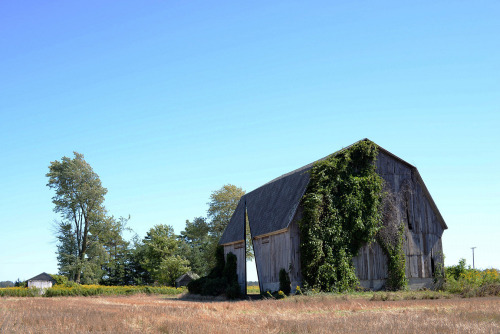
(320, 313)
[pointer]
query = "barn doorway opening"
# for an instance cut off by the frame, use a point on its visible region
(252, 278)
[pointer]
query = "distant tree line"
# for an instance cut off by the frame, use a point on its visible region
(6, 284)
(91, 247)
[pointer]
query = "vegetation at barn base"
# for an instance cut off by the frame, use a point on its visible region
(284, 289)
(285, 284)
(341, 213)
(460, 281)
(222, 279)
(396, 262)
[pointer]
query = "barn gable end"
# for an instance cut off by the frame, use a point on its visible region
(424, 228)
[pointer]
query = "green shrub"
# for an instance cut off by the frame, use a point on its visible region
(457, 270)
(196, 286)
(285, 284)
(21, 284)
(223, 279)
(472, 282)
(233, 291)
(214, 286)
(60, 279)
(88, 290)
(220, 263)
(274, 295)
(99, 290)
(229, 271)
(19, 292)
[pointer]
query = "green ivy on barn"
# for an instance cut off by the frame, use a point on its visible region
(342, 212)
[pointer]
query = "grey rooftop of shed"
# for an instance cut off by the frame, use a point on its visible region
(188, 274)
(42, 277)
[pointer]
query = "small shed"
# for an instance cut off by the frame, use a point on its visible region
(183, 280)
(42, 281)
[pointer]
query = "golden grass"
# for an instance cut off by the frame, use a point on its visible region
(300, 314)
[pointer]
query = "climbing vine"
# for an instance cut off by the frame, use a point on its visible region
(396, 259)
(346, 207)
(341, 213)
(391, 237)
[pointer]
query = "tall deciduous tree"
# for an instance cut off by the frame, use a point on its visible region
(79, 199)
(221, 207)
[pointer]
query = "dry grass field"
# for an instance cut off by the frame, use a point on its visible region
(301, 314)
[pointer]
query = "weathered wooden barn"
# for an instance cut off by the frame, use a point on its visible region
(274, 209)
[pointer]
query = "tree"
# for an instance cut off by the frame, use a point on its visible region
(195, 245)
(67, 250)
(109, 237)
(135, 273)
(221, 207)
(6, 284)
(160, 255)
(79, 199)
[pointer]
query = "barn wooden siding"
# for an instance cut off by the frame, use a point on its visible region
(423, 231)
(276, 251)
(238, 249)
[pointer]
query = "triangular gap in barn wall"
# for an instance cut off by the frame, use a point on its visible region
(251, 265)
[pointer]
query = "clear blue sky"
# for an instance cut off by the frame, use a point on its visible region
(170, 100)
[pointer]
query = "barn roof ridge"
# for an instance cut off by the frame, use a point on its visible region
(310, 165)
(290, 188)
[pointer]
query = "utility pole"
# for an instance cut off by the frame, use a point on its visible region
(473, 267)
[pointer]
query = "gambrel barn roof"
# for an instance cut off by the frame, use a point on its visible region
(271, 207)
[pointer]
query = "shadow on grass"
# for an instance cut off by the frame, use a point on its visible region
(213, 299)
